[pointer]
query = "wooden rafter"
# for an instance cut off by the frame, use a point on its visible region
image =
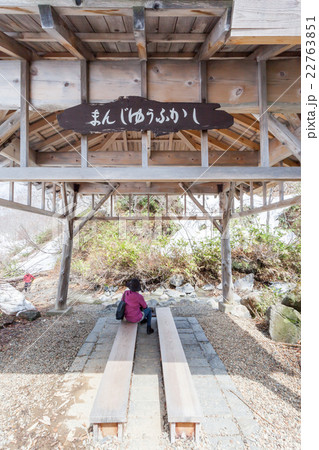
(9, 127)
(216, 38)
(53, 24)
(11, 47)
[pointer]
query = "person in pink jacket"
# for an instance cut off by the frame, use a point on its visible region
(136, 309)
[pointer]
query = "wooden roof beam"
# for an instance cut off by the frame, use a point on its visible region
(53, 24)
(265, 52)
(216, 38)
(161, 174)
(139, 31)
(11, 47)
(284, 136)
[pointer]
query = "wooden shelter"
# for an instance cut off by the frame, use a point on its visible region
(243, 55)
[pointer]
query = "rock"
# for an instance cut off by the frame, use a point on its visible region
(159, 291)
(117, 297)
(281, 287)
(186, 289)
(176, 280)
(240, 311)
(164, 297)
(105, 298)
(293, 300)
(29, 314)
(174, 293)
(284, 324)
(12, 300)
(245, 284)
(152, 303)
(212, 302)
(208, 287)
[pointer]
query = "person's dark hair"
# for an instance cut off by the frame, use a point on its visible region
(134, 285)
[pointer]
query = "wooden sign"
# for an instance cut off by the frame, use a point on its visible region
(140, 114)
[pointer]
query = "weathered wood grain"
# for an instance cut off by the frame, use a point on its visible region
(55, 85)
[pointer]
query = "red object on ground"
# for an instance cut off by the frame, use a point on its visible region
(28, 278)
(133, 301)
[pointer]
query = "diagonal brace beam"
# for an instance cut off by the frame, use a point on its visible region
(95, 209)
(201, 207)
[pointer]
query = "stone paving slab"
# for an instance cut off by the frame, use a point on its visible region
(228, 422)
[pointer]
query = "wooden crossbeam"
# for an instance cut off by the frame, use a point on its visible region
(265, 52)
(216, 38)
(188, 191)
(11, 47)
(178, 38)
(162, 174)
(165, 8)
(157, 158)
(54, 25)
(142, 188)
(139, 31)
(270, 207)
(28, 208)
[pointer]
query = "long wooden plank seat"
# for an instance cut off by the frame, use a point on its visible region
(183, 408)
(109, 411)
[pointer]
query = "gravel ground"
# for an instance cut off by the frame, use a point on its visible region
(266, 373)
(32, 368)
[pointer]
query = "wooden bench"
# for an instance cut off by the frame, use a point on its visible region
(109, 412)
(183, 407)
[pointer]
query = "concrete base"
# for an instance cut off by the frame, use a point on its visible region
(59, 312)
(226, 307)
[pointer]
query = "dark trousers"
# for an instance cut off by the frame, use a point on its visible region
(148, 316)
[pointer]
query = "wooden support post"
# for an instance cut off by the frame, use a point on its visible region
(251, 192)
(42, 195)
(264, 194)
(226, 200)
(24, 110)
(11, 191)
(53, 197)
(111, 205)
(281, 191)
(262, 99)
(145, 145)
(65, 268)
(84, 99)
(92, 201)
(166, 204)
(184, 204)
(29, 195)
(241, 197)
(203, 99)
